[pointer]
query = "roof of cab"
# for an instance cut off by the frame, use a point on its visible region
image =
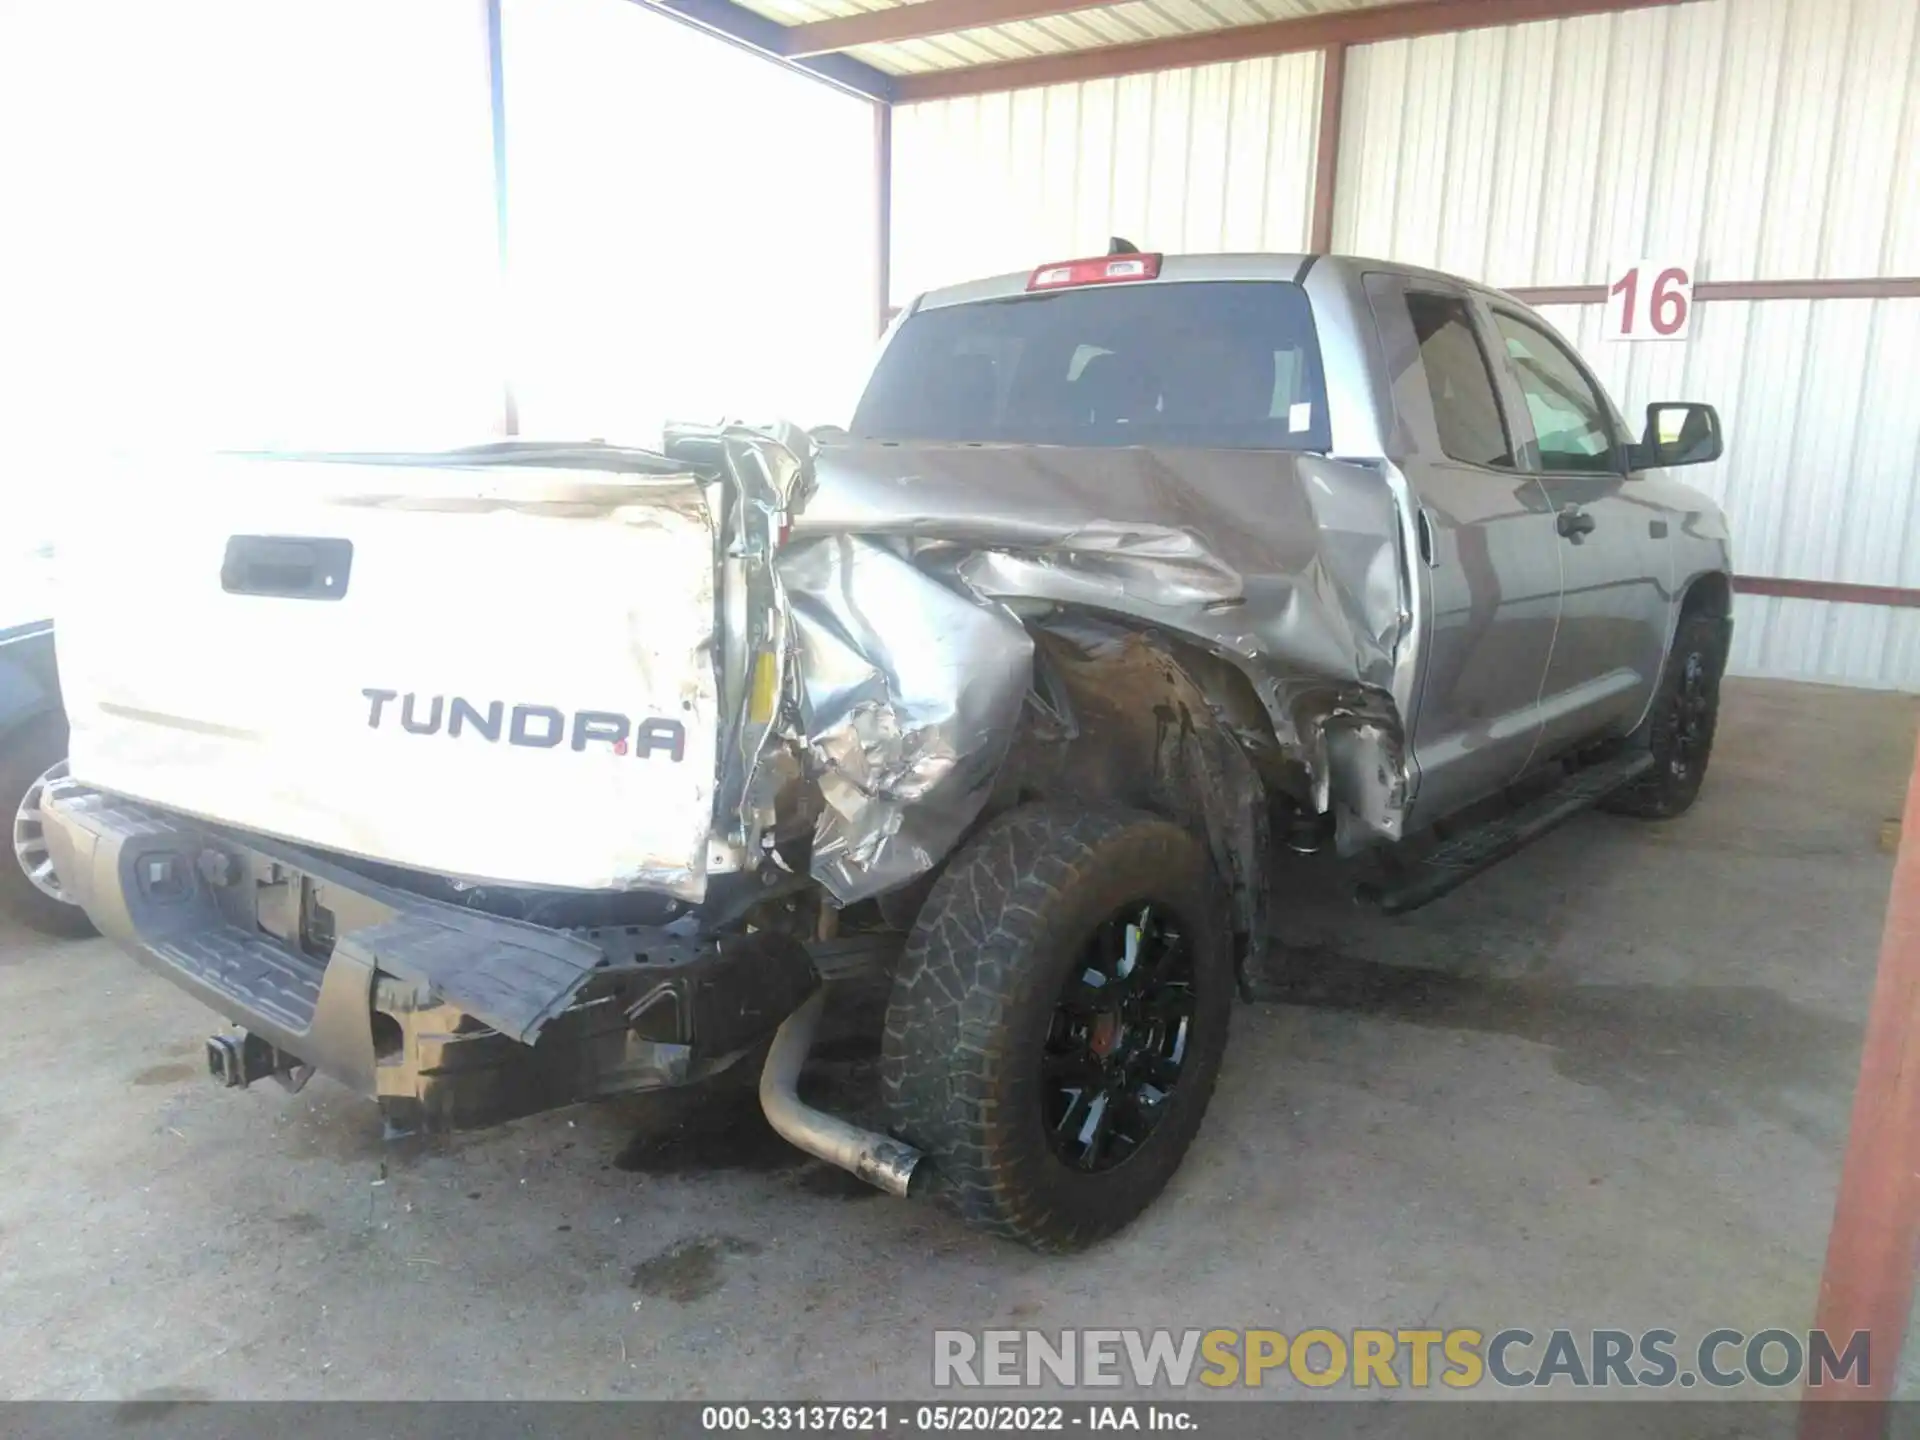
(1176, 268)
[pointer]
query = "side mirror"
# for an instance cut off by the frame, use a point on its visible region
(1678, 433)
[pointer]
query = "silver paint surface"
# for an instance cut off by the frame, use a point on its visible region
(1415, 631)
(904, 664)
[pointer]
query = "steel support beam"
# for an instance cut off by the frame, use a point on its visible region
(1839, 592)
(1869, 287)
(1868, 1281)
(914, 22)
(883, 187)
(497, 106)
(740, 26)
(1404, 19)
(1326, 164)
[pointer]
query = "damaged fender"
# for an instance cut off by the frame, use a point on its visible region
(897, 589)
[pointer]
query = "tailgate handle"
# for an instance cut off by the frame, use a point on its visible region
(293, 567)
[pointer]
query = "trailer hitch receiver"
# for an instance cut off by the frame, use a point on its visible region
(235, 1061)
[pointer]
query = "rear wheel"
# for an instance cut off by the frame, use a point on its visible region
(30, 891)
(1679, 728)
(1058, 1020)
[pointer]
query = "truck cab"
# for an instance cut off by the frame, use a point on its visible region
(1550, 542)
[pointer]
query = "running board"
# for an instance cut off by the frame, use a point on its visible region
(1458, 860)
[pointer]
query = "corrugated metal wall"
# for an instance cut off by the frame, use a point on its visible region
(1765, 139)
(1760, 139)
(1216, 158)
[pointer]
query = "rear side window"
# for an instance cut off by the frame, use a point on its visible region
(1460, 381)
(1227, 364)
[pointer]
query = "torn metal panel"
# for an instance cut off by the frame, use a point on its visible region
(767, 473)
(1292, 566)
(875, 615)
(909, 694)
(869, 705)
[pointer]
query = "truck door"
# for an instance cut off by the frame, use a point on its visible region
(1491, 569)
(1611, 537)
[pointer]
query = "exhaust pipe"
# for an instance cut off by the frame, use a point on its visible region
(878, 1159)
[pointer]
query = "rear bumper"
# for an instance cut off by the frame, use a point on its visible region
(451, 1018)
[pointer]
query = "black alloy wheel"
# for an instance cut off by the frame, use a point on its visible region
(1692, 717)
(1120, 1038)
(1678, 730)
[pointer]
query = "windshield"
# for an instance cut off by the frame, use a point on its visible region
(1227, 364)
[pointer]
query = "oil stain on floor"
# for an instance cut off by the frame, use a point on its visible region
(690, 1269)
(1713, 1052)
(173, 1073)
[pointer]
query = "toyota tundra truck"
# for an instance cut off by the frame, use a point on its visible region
(489, 781)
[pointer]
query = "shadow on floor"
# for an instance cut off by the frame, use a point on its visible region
(1713, 1053)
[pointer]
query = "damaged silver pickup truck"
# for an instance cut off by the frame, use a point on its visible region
(489, 781)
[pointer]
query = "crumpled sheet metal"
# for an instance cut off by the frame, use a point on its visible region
(1291, 565)
(909, 694)
(770, 473)
(895, 604)
(897, 695)
(1292, 562)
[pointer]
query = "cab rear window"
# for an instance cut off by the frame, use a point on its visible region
(1226, 364)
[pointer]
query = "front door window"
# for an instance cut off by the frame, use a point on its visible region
(1571, 422)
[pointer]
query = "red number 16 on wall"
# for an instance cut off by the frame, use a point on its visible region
(1651, 301)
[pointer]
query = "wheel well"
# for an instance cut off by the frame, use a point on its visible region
(1710, 594)
(1127, 717)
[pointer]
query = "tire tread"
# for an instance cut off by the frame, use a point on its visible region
(1656, 795)
(970, 965)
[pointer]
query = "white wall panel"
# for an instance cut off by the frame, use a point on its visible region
(1766, 139)
(1214, 158)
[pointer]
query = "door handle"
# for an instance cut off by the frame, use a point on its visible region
(1574, 522)
(292, 567)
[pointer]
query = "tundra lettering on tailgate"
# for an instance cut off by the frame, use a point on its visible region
(538, 727)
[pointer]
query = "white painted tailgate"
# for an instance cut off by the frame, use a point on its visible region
(562, 590)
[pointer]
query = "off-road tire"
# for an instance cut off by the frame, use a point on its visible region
(974, 996)
(26, 755)
(1679, 757)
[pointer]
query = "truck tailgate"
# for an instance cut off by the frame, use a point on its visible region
(503, 672)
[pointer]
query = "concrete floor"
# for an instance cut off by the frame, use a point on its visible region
(1606, 1084)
